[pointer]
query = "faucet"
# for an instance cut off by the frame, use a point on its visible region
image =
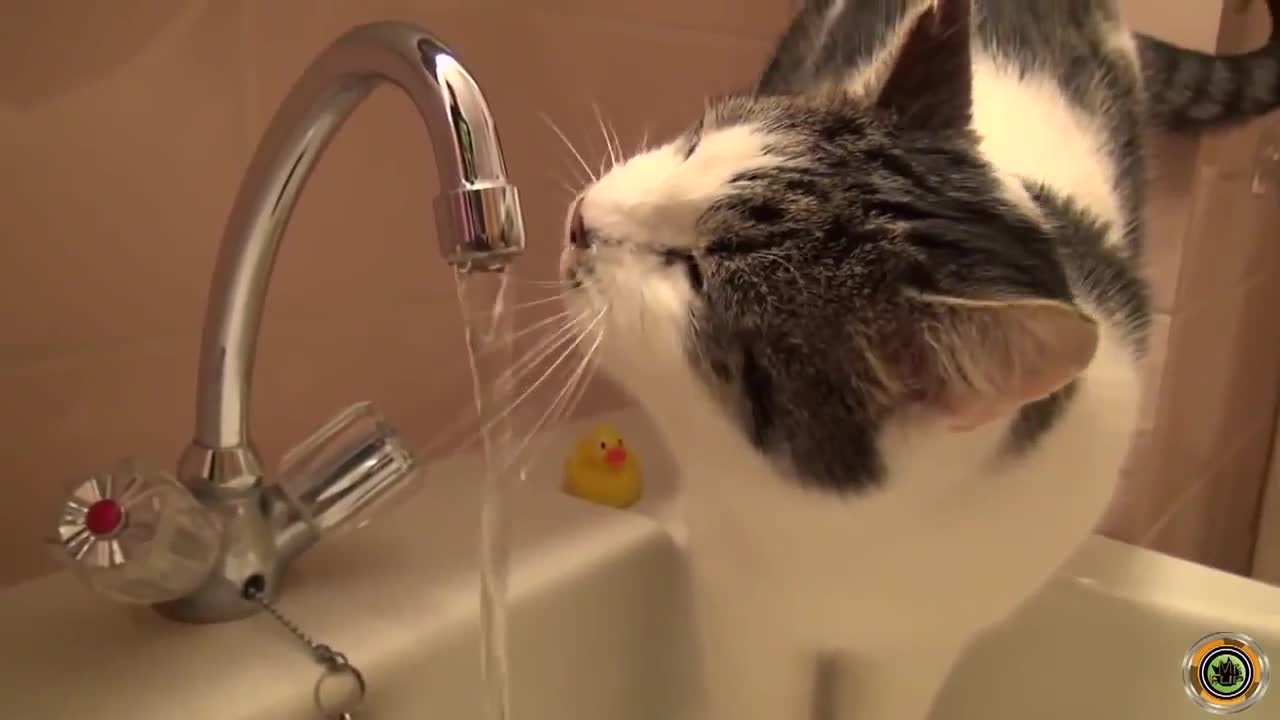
(255, 529)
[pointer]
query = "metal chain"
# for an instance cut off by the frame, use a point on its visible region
(334, 662)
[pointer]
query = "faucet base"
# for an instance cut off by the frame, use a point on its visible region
(210, 473)
(218, 600)
(228, 482)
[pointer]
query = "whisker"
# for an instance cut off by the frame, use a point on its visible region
(537, 283)
(546, 374)
(583, 386)
(519, 369)
(536, 303)
(608, 142)
(569, 145)
(577, 382)
(574, 397)
(562, 316)
(572, 339)
(542, 349)
(564, 392)
(574, 183)
(617, 141)
(582, 379)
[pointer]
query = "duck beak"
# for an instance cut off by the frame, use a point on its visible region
(615, 456)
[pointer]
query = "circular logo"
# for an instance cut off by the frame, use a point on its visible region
(1225, 673)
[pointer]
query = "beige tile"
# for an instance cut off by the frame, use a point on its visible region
(1266, 557)
(1244, 150)
(1194, 25)
(1140, 498)
(363, 309)
(1170, 196)
(1246, 25)
(1187, 532)
(1216, 522)
(123, 147)
(1153, 372)
(1136, 505)
(77, 415)
(756, 19)
(1237, 485)
(1221, 371)
(1231, 236)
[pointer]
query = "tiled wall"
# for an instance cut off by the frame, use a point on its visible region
(1266, 551)
(128, 125)
(1197, 471)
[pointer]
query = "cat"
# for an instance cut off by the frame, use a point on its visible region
(889, 311)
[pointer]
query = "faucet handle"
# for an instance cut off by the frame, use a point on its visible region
(136, 535)
(350, 467)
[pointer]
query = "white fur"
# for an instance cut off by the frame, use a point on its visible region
(955, 541)
(1066, 149)
(655, 197)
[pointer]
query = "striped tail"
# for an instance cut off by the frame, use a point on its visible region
(1189, 90)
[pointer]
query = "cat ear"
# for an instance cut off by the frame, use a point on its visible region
(986, 359)
(929, 83)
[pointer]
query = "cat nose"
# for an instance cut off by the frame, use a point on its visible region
(579, 236)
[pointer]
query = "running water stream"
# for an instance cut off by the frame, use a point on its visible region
(488, 327)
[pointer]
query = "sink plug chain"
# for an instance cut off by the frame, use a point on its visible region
(333, 704)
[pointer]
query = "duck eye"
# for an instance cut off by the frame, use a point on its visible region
(603, 445)
(619, 442)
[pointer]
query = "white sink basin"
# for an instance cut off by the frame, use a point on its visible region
(600, 628)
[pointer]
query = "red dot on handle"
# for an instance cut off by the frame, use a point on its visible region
(104, 517)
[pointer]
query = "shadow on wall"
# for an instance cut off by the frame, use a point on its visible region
(77, 44)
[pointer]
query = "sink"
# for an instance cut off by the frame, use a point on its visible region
(600, 623)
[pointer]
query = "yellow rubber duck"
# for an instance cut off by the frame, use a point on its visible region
(601, 470)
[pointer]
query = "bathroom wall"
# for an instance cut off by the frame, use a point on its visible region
(1196, 472)
(1266, 554)
(129, 124)
(127, 127)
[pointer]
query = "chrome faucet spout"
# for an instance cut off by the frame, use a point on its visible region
(479, 228)
(478, 215)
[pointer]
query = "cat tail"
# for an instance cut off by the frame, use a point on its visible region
(1189, 90)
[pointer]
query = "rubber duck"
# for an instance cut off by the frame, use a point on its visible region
(601, 470)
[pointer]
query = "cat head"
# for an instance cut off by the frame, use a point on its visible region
(817, 266)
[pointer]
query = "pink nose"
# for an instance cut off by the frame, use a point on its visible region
(579, 236)
(615, 456)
